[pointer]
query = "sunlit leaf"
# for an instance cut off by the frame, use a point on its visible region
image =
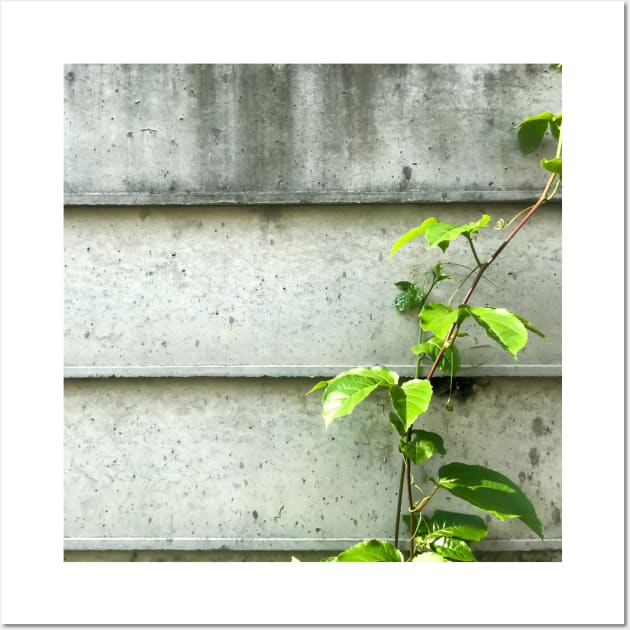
(442, 234)
(344, 392)
(454, 524)
(411, 400)
(490, 491)
(429, 556)
(438, 318)
(503, 326)
(453, 548)
(371, 551)
(413, 233)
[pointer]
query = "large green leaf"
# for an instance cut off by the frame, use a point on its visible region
(410, 298)
(411, 400)
(371, 551)
(438, 318)
(454, 524)
(344, 392)
(506, 328)
(422, 446)
(490, 491)
(442, 234)
(413, 233)
(453, 548)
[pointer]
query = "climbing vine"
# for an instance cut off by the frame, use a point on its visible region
(444, 536)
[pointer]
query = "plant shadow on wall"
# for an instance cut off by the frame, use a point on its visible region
(445, 536)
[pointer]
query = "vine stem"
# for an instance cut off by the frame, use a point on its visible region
(450, 338)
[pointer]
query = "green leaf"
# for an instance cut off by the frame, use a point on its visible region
(490, 491)
(442, 234)
(453, 548)
(422, 446)
(413, 233)
(410, 298)
(553, 166)
(438, 276)
(411, 400)
(431, 348)
(438, 318)
(319, 385)
(531, 131)
(556, 66)
(396, 421)
(503, 326)
(429, 556)
(454, 524)
(329, 559)
(555, 130)
(344, 392)
(371, 551)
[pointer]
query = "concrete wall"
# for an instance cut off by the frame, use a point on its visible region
(192, 262)
(291, 134)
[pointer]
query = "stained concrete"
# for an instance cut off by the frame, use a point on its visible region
(286, 291)
(246, 464)
(190, 134)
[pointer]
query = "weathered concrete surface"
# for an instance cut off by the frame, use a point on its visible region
(247, 463)
(548, 555)
(196, 134)
(285, 290)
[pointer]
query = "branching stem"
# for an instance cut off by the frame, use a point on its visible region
(448, 340)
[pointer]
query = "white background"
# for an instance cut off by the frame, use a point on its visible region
(38, 38)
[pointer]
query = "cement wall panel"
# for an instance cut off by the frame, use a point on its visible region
(284, 290)
(247, 464)
(197, 134)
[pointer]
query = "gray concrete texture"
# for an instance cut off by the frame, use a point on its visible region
(286, 291)
(247, 463)
(191, 134)
(174, 268)
(546, 555)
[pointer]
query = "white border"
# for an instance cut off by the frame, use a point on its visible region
(37, 38)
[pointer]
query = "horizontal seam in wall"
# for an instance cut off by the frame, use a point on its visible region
(304, 197)
(288, 371)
